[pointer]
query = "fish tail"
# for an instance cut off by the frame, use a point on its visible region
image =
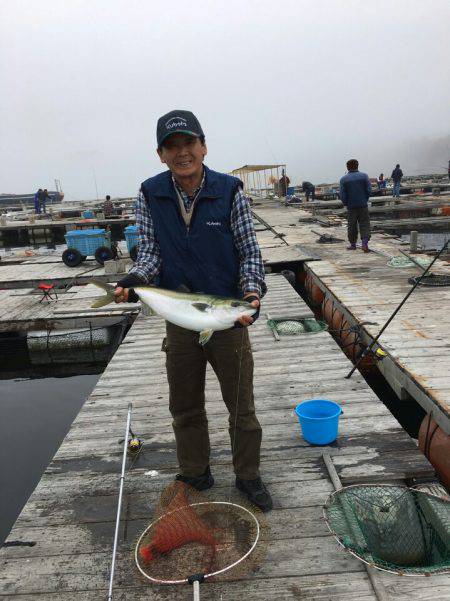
(107, 298)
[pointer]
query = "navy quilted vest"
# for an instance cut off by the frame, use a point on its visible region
(202, 257)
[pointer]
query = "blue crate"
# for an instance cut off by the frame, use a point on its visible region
(131, 236)
(87, 241)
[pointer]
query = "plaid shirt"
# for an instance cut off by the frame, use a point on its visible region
(251, 269)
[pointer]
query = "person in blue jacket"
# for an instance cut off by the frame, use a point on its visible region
(37, 201)
(355, 192)
(397, 175)
(196, 232)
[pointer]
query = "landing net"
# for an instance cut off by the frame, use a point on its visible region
(393, 528)
(406, 262)
(191, 536)
(432, 279)
(292, 327)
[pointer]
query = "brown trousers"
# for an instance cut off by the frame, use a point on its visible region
(229, 354)
(358, 216)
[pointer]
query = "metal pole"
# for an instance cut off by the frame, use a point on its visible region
(367, 349)
(95, 181)
(119, 505)
(196, 590)
(378, 587)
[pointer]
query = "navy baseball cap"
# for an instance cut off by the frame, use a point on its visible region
(178, 122)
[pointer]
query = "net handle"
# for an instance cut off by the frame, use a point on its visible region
(185, 580)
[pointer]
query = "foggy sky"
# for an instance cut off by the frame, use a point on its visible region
(305, 83)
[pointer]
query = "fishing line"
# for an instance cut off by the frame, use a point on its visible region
(237, 406)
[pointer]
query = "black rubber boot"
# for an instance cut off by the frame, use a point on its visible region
(202, 482)
(256, 492)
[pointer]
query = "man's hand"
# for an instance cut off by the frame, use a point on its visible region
(124, 292)
(121, 295)
(247, 320)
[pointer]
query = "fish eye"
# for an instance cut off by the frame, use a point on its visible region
(235, 304)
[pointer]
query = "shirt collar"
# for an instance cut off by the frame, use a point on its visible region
(181, 191)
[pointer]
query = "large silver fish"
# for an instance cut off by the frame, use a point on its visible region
(202, 313)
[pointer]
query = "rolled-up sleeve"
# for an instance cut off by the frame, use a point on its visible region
(251, 268)
(148, 262)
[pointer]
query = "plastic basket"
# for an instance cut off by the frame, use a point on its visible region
(87, 241)
(319, 420)
(131, 236)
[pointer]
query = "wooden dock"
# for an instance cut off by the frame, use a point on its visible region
(51, 231)
(22, 311)
(368, 290)
(69, 519)
(22, 272)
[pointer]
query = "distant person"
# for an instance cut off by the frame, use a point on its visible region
(355, 191)
(449, 170)
(381, 183)
(108, 206)
(397, 175)
(43, 200)
(310, 190)
(284, 183)
(37, 203)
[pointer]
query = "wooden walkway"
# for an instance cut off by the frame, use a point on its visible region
(29, 275)
(21, 309)
(70, 516)
(368, 290)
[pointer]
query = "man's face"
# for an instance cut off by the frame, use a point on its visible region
(183, 154)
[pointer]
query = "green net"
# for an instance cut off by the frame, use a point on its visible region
(393, 528)
(292, 327)
(405, 262)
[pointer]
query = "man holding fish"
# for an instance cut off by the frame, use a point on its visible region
(198, 247)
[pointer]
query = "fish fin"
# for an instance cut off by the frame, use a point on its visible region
(107, 298)
(201, 306)
(101, 302)
(205, 335)
(183, 288)
(103, 285)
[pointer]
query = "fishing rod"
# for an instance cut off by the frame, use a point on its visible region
(417, 282)
(119, 505)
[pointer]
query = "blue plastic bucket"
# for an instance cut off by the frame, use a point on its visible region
(290, 191)
(319, 420)
(131, 236)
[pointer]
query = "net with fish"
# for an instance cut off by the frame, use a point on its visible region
(406, 262)
(193, 536)
(292, 327)
(393, 528)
